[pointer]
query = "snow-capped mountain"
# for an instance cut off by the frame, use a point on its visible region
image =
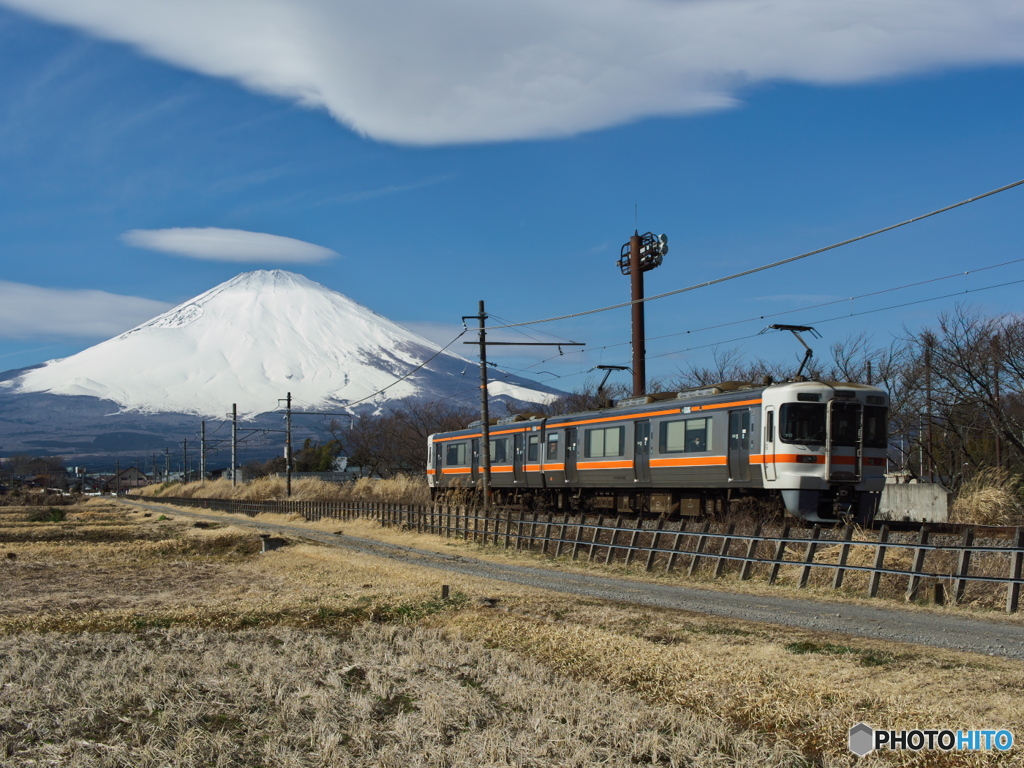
(251, 340)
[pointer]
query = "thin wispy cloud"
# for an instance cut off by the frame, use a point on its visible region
(453, 71)
(30, 311)
(233, 245)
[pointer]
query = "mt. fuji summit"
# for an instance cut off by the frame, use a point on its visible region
(254, 338)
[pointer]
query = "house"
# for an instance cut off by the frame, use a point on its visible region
(126, 479)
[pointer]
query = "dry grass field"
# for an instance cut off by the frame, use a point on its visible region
(134, 639)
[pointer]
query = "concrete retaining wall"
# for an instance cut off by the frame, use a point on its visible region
(927, 502)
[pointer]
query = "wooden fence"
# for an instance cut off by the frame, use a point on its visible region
(946, 565)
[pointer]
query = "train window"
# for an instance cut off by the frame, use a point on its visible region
(802, 423)
(689, 436)
(532, 447)
(551, 451)
(876, 420)
(607, 441)
(499, 450)
(456, 454)
(769, 428)
(845, 423)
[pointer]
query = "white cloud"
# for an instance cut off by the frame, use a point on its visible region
(450, 71)
(235, 245)
(28, 311)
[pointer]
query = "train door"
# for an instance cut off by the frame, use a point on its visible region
(437, 464)
(475, 471)
(518, 475)
(739, 446)
(845, 431)
(642, 451)
(571, 475)
(534, 475)
(768, 452)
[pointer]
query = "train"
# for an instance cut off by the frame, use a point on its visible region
(816, 448)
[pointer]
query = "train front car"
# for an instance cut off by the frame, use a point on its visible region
(824, 448)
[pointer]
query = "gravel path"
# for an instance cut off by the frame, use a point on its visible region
(884, 623)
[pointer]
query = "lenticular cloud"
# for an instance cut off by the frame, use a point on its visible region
(237, 245)
(452, 71)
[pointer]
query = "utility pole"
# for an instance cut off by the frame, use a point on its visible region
(234, 444)
(641, 254)
(998, 422)
(928, 409)
(202, 450)
(167, 464)
(117, 477)
(288, 447)
(485, 416)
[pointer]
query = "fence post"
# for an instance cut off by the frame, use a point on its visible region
(610, 554)
(633, 537)
(876, 575)
(579, 534)
(593, 539)
(915, 581)
(748, 561)
(780, 552)
(655, 539)
(720, 565)
(812, 547)
(508, 528)
(844, 552)
(701, 542)
(532, 540)
(497, 525)
(1016, 566)
(671, 561)
(561, 534)
(547, 533)
(963, 566)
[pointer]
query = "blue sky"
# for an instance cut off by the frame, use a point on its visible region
(419, 157)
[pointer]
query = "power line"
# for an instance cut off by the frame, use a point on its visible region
(791, 311)
(769, 266)
(819, 306)
(860, 314)
(406, 376)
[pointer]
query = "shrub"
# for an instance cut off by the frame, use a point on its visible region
(991, 497)
(48, 515)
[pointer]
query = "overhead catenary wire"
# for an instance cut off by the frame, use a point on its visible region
(809, 307)
(822, 321)
(402, 378)
(772, 265)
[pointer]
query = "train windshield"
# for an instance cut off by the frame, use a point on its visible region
(802, 423)
(876, 419)
(845, 423)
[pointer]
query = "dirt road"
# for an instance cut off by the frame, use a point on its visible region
(964, 633)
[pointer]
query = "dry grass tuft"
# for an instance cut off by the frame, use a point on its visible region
(381, 695)
(992, 497)
(406, 489)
